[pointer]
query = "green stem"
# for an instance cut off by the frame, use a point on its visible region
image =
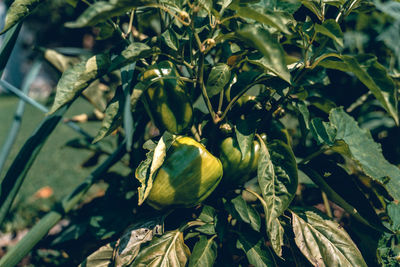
(326, 204)
(233, 101)
(40, 230)
(322, 150)
(200, 79)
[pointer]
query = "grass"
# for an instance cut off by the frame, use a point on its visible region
(57, 166)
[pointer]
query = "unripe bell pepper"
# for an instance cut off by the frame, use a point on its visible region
(236, 169)
(169, 104)
(188, 175)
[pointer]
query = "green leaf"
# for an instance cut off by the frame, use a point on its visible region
(7, 45)
(373, 75)
(220, 76)
(331, 29)
(276, 19)
(170, 38)
(169, 250)
(131, 54)
(207, 215)
(101, 11)
(313, 7)
(146, 172)
(75, 79)
(127, 84)
(256, 252)
(278, 178)
(323, 131)
(113, 114)
(245, 131)
(341, 188)
(129, 244)
(240, 209)
(324, 242)
(19, 10)
(204, 253)
(273, 56)
(103, 257)
(368, 154)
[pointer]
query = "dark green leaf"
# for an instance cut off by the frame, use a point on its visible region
(170, 39)
(256, 252)
(127, 84)
(7, 46)
(169, 250)
(313, 7)
(273, 56)
(340, 188)
(247, 213)
(245, 131)
(278, 178)
(219, 76)
(101, 11)
(373, 75)
(324, 242)
(103, 257)
(365, 151)
(113, 113)
(207, 214)
(331, 29)
(276, 19)
(204, 253)
(323, 131)
(18, 10)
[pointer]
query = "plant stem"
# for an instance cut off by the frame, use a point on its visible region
(326, 204)
(322, 150)
(200, 80)
(233, 101)
(50, 219)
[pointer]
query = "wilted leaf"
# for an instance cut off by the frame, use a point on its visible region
(273, 56)
(103, 257)
(75, 79)
(169, 250)
(204, 253)
(59, 61)
(18, 10)
(324, 242)
(218, 78)
(278, 178)
(158, 157)
(129, 244)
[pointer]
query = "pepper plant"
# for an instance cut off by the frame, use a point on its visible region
(233, 115)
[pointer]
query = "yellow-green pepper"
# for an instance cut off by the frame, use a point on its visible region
(188, 175)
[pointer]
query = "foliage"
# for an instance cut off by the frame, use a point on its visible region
(305, 92)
